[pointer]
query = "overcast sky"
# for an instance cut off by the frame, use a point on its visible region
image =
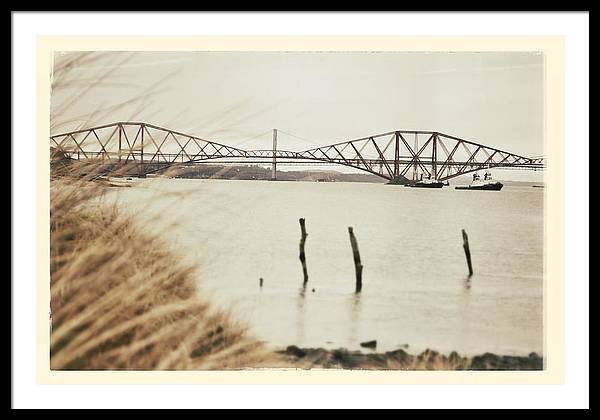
(237, 98)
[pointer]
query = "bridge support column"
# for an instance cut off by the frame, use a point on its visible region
(416, 165)
(397, 157)
(434, 158)
(142, 174)
(274, 164)
(120, 130)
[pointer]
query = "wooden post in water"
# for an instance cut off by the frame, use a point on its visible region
(357, 264)
(302, 255)
(467, 251)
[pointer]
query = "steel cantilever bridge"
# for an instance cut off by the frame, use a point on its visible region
(389, 155)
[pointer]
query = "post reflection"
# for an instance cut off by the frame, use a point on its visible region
(301, 316)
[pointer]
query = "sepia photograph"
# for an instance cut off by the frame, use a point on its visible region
(375, 210)
(299, 210)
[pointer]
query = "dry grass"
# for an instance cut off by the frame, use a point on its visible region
(121, 300)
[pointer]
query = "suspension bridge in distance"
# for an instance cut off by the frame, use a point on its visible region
(402, 153)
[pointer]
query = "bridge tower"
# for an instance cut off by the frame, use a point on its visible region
(434, 158)
(274, 165)
(397, 156)
(142, 174)
(415, 167)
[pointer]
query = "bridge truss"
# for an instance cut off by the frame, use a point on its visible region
(390, 155)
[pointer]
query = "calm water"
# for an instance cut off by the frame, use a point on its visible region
(415, 288)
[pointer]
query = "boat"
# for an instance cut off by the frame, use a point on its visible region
(425, 183)
(485, 184)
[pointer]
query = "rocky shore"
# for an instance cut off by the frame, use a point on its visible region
(401, 360)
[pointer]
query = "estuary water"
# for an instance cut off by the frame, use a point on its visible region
(416, 292)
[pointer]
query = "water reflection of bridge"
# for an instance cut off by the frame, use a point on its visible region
(389, 155)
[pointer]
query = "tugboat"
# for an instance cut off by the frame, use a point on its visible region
(487, 184)
(425, 183)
